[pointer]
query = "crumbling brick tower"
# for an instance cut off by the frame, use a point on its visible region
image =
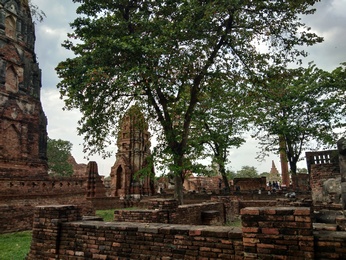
(132, 156)
(23, 135)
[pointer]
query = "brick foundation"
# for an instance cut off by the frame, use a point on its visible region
(168, 211)
(281, 232)
(20, 197)
(330, 244)
(319, 174)
(267, 233)
(56, 237)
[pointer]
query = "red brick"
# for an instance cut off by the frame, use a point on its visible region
(261, 245)
(249, 211)
(302, 212)
(250, 229)
(270, 231)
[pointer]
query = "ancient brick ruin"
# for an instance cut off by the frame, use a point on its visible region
(267, 233)
(311, 225)
(95, 187)
(203, 184)
(23, 138)
(273, 227)
(132, 156)
(274, 175)
(250, 184)
(324, 169)
(24, 179)
(342, 165)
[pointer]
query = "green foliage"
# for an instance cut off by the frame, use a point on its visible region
(302, 170)
(221, 119)
(147, 170)
(106, 214)
(235, 223)
(168, 55)
(264, 174)
(301, 106)
(230, 175)
(15, 245)
(247, 172)
(36, 13)
(58, 152)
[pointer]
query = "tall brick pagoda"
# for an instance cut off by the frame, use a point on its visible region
(23, 135)
(133, 151)
(24, 179)
(274, 175)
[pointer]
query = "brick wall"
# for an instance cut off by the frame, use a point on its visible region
(192, 214)
(283, 232)
(55, 237)
(142, 216)
(330, 244)
(19, 215)
(231, 207)
(233, 204)
(107, 203)
(15, 218)
(267, 233)
(46, 230)
(203, 184)
(19, 187)
(301, 182)
(168, 211)
(19, 197)
(319, 174)
(249, 184)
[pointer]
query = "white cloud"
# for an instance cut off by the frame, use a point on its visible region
(63, 125)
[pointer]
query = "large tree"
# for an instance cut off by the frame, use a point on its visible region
(299, 109)
(221, 119)
(165, 54)
(247, 172)
(58, 153)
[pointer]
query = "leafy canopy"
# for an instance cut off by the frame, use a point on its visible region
(166, 54)
(221, 119)
(58, 152)
(303, 106)
(247, 172)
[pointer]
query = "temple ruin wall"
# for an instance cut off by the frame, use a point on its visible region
(267, 233)
(19, 197)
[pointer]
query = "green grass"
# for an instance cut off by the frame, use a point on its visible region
(235, 223)
(15, 245)
(131, 208)
(106, 214)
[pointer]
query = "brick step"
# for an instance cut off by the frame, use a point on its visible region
(324, 226)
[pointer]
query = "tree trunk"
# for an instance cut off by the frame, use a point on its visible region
(284, 164)
(178, 179)
(293, 166)
(178, 188)
(224, 178)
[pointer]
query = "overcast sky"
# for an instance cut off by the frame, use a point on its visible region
(329, 22)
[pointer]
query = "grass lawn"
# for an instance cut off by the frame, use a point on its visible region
(15, 245)
(235, 223)
(106, 214)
